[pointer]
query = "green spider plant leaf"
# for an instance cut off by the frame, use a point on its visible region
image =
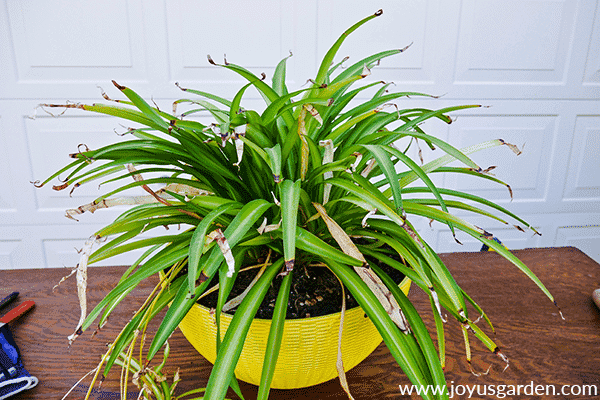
(237, 229)
(469, 171)
(170, 255)
(311, 244)
(448, 158)
(368, 61)
(482, 236)
(339, 160)
(468, 196)
(210, 96)
(421, 174)
(389, 170)
(278, 81)
(142, 105)
(328, 58)
(274, 161)
(198, 241)
(177, 310)
(401, 346)
(372, 199)
(235, 104)
(290, 199)
(276, 107)
(274, 339)
(418, 327)
(232, 344)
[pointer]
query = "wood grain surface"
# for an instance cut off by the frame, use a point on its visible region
(542, 347)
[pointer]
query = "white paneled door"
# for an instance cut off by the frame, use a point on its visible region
(534, 64)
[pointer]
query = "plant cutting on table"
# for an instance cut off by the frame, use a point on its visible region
(320, 180)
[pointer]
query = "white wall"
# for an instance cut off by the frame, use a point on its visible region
(535, 63)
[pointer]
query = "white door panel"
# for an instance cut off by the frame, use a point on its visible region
(533, 64)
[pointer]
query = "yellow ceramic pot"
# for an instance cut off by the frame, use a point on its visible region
(308, 350)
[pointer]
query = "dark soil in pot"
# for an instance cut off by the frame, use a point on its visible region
(315, 291)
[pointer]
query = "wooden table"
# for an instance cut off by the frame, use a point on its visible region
(542, 347)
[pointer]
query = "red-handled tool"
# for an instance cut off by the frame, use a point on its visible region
(17, 312)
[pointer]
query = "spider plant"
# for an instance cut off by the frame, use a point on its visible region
(317, 168)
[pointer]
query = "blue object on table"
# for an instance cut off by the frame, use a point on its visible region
(485, 247)
(14, 378)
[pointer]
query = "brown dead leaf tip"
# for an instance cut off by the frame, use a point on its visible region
(202, 278)
(225, 59)
(37, 184)
(406, 47)
(559, 311)
(487, 235)
(379, 12)
(210, 60)
(181, 88)
(60, 187)
(511, 146)
(75, 186)
(120, 87)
